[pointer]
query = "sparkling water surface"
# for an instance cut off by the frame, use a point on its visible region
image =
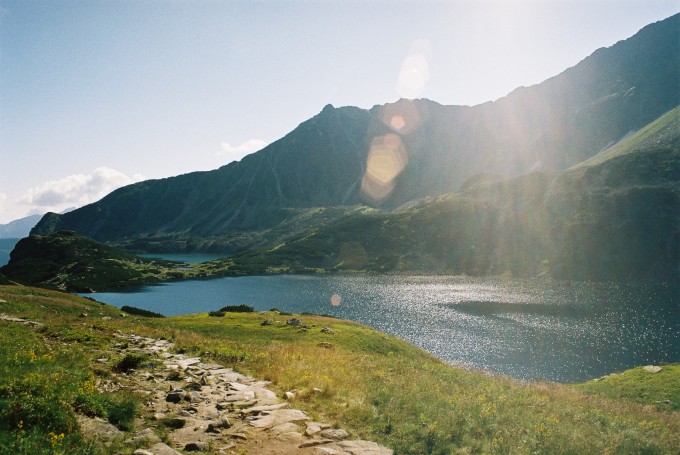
(529, 329)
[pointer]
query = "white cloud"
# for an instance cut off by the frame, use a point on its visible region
(248, 147)
(77, 189)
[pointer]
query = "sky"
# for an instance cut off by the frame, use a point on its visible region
(98, 94)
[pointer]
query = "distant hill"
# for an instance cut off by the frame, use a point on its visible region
(70, 262)
(20, 228)
(6, 247)
(393, 154)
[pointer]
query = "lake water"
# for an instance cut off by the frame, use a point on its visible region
(529, 329)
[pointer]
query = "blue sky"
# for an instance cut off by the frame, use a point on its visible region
(97, 94)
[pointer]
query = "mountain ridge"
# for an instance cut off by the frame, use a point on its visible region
(430, 149)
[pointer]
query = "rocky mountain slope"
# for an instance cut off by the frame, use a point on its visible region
(392, 154)
(614, 217)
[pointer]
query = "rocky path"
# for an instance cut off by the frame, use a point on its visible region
(207, 408)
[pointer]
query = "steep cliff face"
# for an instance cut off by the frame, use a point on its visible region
(395, 153)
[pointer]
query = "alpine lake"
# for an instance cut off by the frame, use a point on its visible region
(532, 329)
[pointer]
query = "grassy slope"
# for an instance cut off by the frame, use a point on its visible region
(377, 386)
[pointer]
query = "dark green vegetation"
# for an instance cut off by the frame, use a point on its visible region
(140, 312)
(552, 125)
(71, 262)
(375, 386)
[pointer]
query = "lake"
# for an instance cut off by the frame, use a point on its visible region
(528, 329)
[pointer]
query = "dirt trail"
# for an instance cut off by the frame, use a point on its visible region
(210, 409)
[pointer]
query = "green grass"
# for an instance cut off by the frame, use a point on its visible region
(376, 386)
(661, 390)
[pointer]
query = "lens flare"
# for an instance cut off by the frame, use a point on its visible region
(386, 160)
(415, 70)
(403, 117)
(336, 300)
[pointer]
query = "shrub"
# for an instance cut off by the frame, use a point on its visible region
(216, 314)
(129, 362)
(237, 309)
(141, 312)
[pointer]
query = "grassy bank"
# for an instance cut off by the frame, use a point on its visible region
(374, 385)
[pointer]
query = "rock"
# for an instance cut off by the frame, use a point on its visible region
(163, 449)
(284, 428)
(325, 451)
(325, 345)
(312, 429)
(142, 452)
(289, 396)
(267, 322)
(290, 436)
(315, 442)
(215, 427)
(102, 360)
(336, 434)
(82, 315)
(241, 436)
(317, 390)
(176, 396)
(652, 368)
(359, 447)
(174, 422)
(197, 447)
(145, 436)
(97, 429)
(260, 409)
(326, 329)
(278, 417)
(295, 322)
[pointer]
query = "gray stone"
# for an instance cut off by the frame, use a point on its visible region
(652, 368)
(335, 434)
(215, 427)
(197, 447)
(142, 452)
(284, 428)
(278, 417)
(145, 436)
(290, 436)
(359, 447)
(295, 322)
(163, 449)
(176, 396)
(315, 442)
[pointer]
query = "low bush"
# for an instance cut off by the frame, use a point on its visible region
(140, 312)
(129, 362)
(237, 309)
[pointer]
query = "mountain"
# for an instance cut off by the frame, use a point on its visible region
(392, 154)
(20, 228)
(614, 217)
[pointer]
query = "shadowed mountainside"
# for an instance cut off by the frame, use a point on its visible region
(392, 154)
(615, 217)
